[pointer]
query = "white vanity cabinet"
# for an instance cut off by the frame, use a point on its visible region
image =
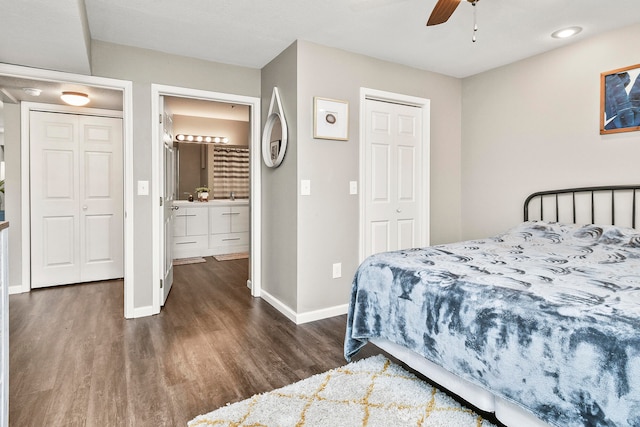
(229, 228)
(210, 228)
(190, 231)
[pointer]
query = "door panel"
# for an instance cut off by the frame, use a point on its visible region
(393, 176)
(380, 155)
(380, 234)
(168, 190)
(406, 234)
(99, 240)
(406, 173)
(55, 216)
(58, 242)
(101, 189)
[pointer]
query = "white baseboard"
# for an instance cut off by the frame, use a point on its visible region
(279, 305)
(309, 316)
(143, 311)
(324, 313)
(16, 289)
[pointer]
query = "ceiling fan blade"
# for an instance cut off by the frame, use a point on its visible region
(442, 11)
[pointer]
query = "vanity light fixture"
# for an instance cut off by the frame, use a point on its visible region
(181, 137)
(566, 32)
(77, 99)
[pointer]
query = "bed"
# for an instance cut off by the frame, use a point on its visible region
(539, 325)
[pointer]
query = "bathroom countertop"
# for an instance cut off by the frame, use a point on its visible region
(214, 202)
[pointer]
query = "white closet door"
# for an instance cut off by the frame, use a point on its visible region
(76, 199)
(101, 198)
(393, 154)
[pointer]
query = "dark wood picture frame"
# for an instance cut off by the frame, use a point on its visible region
(620, 100)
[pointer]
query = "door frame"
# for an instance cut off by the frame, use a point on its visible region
(424, 208)
(126, 87)
(255, 200)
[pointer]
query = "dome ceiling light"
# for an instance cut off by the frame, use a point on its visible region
(77, 99)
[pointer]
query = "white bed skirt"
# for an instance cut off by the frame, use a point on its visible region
(505, 411)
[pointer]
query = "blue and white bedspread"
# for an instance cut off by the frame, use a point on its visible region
(546, 315)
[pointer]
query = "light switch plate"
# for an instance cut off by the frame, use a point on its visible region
(305, 187)
(337, 270)
(143, 188)
(353, 187)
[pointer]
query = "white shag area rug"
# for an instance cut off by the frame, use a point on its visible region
(371, 392)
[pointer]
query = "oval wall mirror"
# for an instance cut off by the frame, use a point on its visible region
(274, 135)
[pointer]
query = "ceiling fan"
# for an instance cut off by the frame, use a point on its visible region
(444, 9)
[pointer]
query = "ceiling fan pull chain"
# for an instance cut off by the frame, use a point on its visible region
(475, 21)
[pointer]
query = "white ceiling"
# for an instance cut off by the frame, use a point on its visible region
(56, 34)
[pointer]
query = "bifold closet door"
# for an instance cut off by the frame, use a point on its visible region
(393, 171)
(76, 198)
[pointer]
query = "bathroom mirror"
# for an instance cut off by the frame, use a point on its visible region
(274, 135)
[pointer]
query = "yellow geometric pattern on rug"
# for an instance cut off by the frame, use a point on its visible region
(371, 392)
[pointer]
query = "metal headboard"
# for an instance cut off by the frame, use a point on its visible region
(616, 193)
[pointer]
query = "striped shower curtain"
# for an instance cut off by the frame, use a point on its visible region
(230, 172)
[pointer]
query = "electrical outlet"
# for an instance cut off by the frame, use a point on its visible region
(337, 270)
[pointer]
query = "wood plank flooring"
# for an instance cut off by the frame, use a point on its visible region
(75, 360)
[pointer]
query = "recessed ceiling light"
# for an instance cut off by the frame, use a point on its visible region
(566, 32)
(77, 99)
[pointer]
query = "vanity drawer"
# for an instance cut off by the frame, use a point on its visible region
(230, 239)
(189, 246)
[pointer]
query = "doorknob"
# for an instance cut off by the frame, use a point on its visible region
(175, 208)
(85, 207)
(398, 210)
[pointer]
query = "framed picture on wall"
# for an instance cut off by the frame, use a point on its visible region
(330, 119)
(620, 100)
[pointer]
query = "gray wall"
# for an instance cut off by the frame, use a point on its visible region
(325, 229)
(144, 67)
(279, 187)
(534, 125)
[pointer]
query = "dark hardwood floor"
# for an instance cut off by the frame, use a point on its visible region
(75, 360)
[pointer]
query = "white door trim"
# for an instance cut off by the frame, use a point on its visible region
(127, 112)
(425, 105)
(255, 201)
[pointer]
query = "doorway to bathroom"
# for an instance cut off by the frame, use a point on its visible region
(197, 136)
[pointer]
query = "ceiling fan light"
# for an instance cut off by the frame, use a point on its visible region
(77, 99)
(566, 32)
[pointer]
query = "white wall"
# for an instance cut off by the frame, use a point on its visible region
(534, 125)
